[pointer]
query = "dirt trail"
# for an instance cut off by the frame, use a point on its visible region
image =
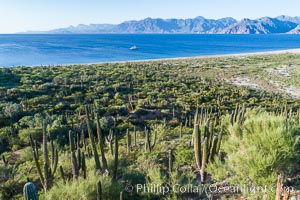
(15, 155)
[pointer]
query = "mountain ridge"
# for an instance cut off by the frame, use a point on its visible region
(198, 25)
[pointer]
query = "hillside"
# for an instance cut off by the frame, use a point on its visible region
(105, 130)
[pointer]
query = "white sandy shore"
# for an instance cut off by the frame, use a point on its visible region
(292, 51)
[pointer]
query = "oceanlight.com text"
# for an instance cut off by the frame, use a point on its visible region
(200, 189)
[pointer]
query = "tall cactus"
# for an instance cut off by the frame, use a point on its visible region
(46, 159)
(204, 160)
(148, 146)
(135, 136)
(170, 161)
(62, 174)
(197, 141)
(78, 152)
(54, 160)
(128, 141)
(147, 140)
(109, 139)
(75, 169)
(83, 139)
(99, 191)
(237, 116)
(89, 152)
(49, 170)
(30, 192)
(92, 139)
(220, 135)
(83, 165)
(180, 130)
(186, 122)
(206, 147)
(116, 156)
(101, 143)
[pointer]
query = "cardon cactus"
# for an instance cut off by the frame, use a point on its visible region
(49, 170)
(116, 156)
(75, 169)
(128, 141)
(101, 143)
(148, 145)
(206, 147)
(29, 192)
(92, 140)
(237, 116)
(170, 161)
(99, 191)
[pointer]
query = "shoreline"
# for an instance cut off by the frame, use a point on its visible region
(290, 51)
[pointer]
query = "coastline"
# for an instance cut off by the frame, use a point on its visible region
(290, 51)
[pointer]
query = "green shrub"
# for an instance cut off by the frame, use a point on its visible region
(257, 152)
(84, 189)
(184, 156)
(36, 134)
(141, 112)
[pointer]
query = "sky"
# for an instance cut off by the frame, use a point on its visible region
(25, 15)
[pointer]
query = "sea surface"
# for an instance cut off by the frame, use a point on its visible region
(32, 50)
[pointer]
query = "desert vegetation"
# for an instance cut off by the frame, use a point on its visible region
(101, 131)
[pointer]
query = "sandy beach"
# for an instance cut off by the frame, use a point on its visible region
(291, 51)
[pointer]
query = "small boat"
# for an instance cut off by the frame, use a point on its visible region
(133, 47)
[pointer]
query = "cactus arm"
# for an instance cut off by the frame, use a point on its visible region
(99, 191)
(101, 144)
(46, 159)
(83, 165)
(180, 131)
(91, 136)
(197, 145)
(116, 156)
(213, 149)
(147, 140)
(135, 136)
(155, 139)
(75, 171)
(36, 160)
(79, 158)
(204, 160)
(128, 141)
(78, 151)
(219, 141)
(74, 165)
(52, 154)
(170, 161)
(55, 163)
(62, 174)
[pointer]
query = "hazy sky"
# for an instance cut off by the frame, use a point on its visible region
(23, 15)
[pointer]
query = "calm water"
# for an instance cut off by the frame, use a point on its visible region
(30, 50)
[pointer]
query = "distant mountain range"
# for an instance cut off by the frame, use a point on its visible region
(199, 25)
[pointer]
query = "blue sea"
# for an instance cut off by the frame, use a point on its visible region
(32, 50)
